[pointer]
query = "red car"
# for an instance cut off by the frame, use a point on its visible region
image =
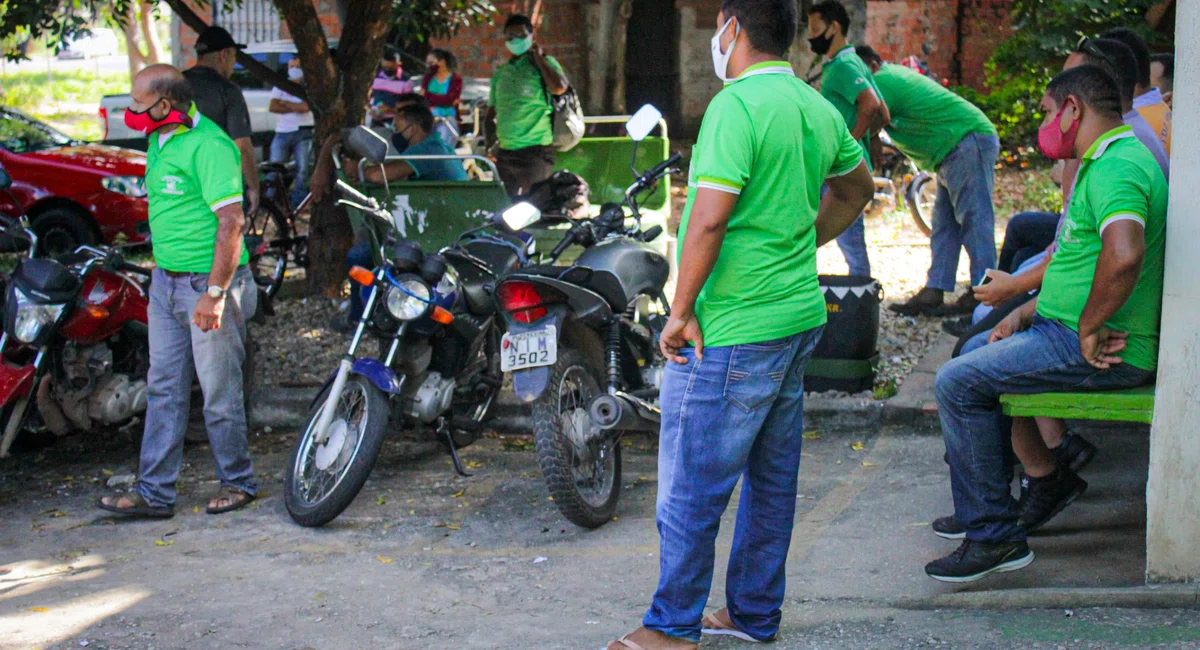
(75, 193)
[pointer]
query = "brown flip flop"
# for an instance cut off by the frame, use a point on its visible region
(626, 643)
(239, 499)
(140, 507)
(714, 625)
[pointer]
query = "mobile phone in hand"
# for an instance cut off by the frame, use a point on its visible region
(986, 279)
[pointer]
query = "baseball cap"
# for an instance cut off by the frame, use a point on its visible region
(215, 39)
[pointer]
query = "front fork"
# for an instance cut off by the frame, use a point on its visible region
(345, 366)
(16, 418)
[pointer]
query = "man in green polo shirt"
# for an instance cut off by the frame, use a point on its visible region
(519, 111)
(1094, 326)
(200, 296)
(941, 131)
(746, 316)
(847, 84)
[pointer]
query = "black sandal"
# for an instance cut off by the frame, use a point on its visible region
(140, 507)
(239, 499)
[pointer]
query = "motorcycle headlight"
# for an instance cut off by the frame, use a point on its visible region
(132, 186)
(409, 300)
(32, 317)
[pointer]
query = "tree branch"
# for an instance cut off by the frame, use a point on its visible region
(312, 46)
(248, 62)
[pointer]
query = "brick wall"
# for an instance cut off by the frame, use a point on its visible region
(480, 48)
(986, 24)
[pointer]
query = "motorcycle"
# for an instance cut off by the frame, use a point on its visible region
(581, 343)
(75, 338)
(439, 361)
(897, 178)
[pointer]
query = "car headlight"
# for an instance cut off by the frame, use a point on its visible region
(409, 300)
(132, 186)
(32, 317)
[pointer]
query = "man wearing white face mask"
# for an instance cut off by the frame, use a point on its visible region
(293, 131)
(746, 315)
(519, 109)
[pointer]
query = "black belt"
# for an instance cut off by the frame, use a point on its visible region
(178, 274)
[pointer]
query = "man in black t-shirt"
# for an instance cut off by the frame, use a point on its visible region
(221, 101)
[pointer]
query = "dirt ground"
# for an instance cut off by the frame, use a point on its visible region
(425, 559)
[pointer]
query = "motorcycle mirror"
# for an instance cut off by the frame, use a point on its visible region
(521, 216)
(5, 179)
(643, 122)
(364, 143)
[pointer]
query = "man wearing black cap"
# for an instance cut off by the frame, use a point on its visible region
(221, 101)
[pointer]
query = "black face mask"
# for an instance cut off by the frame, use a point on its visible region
(820, 44)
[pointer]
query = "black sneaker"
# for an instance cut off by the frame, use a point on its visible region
(1043, 498)
(965, 305)
(923, 304)
(1074, 453)
(949, 528)
(974, 560)
(956, 327)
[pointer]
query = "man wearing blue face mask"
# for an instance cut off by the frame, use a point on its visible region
(519, 116)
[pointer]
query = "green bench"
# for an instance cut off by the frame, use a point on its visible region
(1131, 405)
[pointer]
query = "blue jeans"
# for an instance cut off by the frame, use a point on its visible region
(1045, 358)
(296, 145)
(853, 243)
(738, 413)
(963, 215)
(359, 255)
(179, 351)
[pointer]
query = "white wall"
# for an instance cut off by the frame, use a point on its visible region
(1173, 493)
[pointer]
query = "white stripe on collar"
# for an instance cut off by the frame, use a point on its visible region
(1103, 146)
(775, 69)
(845, 51)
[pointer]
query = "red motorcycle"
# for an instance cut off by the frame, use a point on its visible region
(75, 339)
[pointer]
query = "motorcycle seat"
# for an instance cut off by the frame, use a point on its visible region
(602, 282)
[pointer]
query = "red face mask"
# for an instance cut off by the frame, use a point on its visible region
(1055, 144)
(145, 123)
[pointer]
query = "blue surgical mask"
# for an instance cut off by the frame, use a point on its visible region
(295, 74)
(519, 46)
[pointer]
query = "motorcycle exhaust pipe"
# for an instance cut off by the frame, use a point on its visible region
(624, 413)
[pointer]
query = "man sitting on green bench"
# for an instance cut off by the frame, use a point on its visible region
(1093, 327)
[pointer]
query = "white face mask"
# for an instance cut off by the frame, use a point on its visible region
(295, 74)
(721, 60)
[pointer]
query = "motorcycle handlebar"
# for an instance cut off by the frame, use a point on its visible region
(562, 245)
(653, 174)
(356, 195)
(132, 268)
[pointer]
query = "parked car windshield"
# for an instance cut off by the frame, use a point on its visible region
(20, 133)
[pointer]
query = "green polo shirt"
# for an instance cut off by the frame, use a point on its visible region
(1118, 180)
(928, 121)
(770, 139)
(523, 114)
(843, 78)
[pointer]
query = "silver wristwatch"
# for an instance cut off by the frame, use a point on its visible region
(215, 292)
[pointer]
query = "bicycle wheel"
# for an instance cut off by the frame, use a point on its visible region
(269, 240)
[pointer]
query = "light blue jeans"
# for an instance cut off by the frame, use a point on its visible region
(853, 243)
(739, 413)
(1044, 358)
(179, 351)
(962, 215)
(296, 145)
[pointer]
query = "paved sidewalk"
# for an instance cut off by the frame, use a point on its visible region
(412, 565)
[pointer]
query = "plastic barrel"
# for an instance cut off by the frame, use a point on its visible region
(845, 357)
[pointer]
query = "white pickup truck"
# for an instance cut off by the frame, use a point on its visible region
(275, 54)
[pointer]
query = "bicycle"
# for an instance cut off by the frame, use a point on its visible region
(272, 235)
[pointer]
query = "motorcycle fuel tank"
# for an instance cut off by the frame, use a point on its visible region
(637, 268)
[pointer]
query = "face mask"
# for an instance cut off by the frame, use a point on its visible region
(519, 46)
(820, 44)
(295, 74)
(144, 122)
(1055, 144)
(400, 141)
(721, 60)
(432, 68)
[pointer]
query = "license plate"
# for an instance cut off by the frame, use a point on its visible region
(529, 349)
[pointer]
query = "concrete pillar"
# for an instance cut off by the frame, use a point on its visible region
(1173, 492)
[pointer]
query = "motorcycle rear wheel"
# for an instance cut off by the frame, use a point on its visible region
(316, 496)
(921, 195)
(585, 487)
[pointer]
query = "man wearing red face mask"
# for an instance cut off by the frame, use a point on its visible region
(1094, 325)
(200, 295)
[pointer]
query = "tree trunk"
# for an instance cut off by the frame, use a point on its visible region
(149, 33)
(337, 93)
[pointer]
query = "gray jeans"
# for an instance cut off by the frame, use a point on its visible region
(179, 351)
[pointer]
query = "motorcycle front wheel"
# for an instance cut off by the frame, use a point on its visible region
(921, 196)
(583, 476)
(323, 479)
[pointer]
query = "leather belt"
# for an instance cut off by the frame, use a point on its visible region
(178, 274)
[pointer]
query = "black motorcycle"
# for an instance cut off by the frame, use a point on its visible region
(582, 346)
(438, 364)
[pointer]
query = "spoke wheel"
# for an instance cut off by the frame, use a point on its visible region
(269, 241)
(922, 194)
